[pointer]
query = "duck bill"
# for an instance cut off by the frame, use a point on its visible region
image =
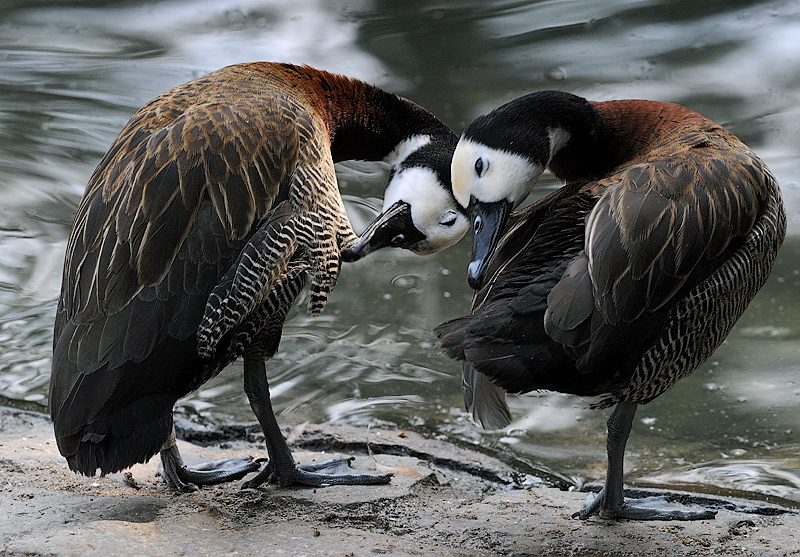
(394, 227)
(489, 220)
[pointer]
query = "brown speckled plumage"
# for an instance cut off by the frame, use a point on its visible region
(198, 228)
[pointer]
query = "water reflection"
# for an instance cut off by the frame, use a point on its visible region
(775, 481)
(74, 73)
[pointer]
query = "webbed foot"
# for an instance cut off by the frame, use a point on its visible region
(181, 477)
(335, 471)
(648, 508)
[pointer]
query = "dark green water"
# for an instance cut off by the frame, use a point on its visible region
(72, 73)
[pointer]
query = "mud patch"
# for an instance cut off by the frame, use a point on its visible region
(443, 500)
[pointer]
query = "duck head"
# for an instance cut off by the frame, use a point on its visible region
(419, 211)
(499, 159)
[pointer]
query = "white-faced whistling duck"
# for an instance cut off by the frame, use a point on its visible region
(196, 233)
(622, 281)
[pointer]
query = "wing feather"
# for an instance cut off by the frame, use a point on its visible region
(659, 220)
(166, 212)
(146, 192)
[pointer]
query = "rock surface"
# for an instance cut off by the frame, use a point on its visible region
(444, 500)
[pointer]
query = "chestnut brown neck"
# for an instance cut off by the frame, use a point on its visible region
(364, 121)
(628, 130)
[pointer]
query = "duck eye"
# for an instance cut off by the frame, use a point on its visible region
(448, 219)
(481, 167)
(477, 225)
(399, 239)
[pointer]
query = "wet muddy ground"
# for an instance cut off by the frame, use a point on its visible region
(443, 500)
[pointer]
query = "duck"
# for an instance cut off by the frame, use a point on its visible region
(213, 209)
(620, 282)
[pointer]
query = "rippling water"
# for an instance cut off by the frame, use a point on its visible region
(74, 72)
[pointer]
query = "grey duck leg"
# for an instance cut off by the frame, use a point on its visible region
(281, 468)
(181, 477)
(610, 502)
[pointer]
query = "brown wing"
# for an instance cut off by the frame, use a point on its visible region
(659, 221)
(165, 214)
(198, 142)
(659, 227)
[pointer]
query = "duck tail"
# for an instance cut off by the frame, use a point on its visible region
(486, 400)
(482, 397)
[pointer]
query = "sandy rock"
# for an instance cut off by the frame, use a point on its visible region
(443, 500)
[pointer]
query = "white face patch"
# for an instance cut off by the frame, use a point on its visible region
(433, 209)
(403, 149)
(504, 176)
(558, 138)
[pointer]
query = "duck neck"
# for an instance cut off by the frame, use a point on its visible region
(366, 122)
(613, 133)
